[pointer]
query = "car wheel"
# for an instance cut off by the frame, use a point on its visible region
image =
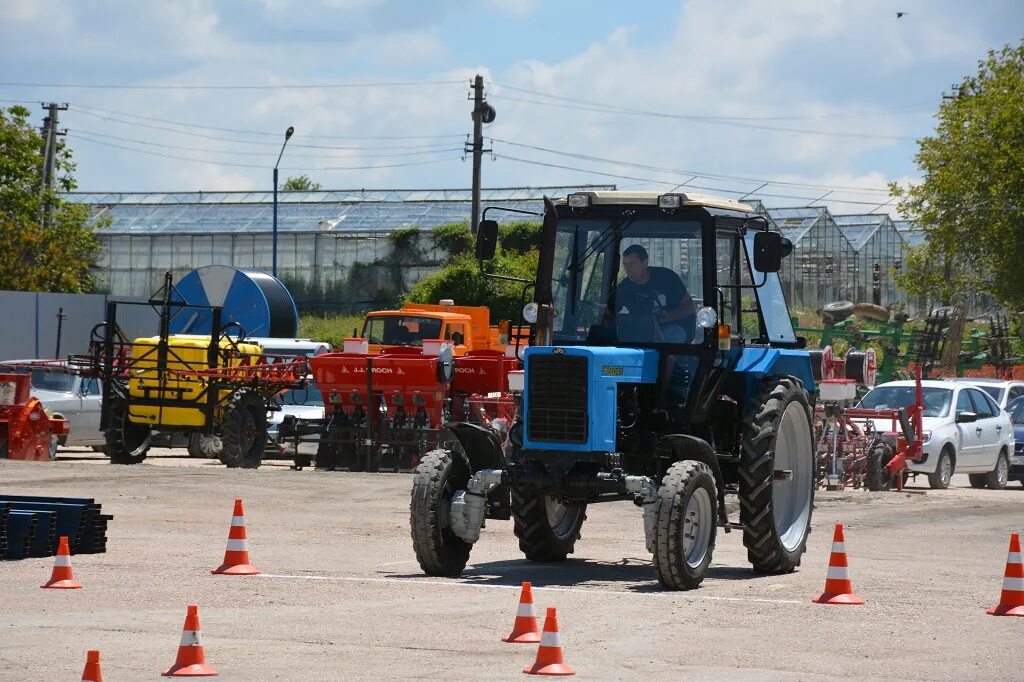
(943, 470)
(1000, 475)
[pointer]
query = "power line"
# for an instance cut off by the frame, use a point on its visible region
(851, 114)
(255, 165)
(695, 174)
(235, 152)
(217, 138)
(97, 110)
(277, 86)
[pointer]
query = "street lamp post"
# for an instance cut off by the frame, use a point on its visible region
(287, 135)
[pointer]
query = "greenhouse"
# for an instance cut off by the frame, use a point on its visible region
(879, 251)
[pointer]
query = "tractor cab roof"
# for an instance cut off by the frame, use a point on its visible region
(651, 199)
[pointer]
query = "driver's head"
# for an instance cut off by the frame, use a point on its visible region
(634, 262)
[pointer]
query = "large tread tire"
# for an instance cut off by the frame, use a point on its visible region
(687, 506)
(837, 311)
(938, 479)
(439, 551)
(763, 539)
(1000, 475)
(244, 433)
(538, 541)
(870, 311)
(127, 442)
(878, 477)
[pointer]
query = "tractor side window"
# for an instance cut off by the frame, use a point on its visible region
(458, 334)
(727, 270)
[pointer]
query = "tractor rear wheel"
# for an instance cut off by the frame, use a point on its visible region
(880, 454)
(686, 521)
(127, 442)
(547, 527)
(244, 434)
(439, 551)
(776, 475)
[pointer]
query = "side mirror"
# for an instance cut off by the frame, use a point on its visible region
(769, 250)
(486, 239)
(966, 417)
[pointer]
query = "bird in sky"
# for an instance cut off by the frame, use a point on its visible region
(899, 15)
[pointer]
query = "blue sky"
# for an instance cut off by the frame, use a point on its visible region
(721, 95)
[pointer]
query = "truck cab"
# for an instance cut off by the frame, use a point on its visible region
(467, 328)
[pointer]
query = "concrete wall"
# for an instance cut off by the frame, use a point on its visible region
(28, 323)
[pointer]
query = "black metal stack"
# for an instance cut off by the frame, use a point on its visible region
(30, 526)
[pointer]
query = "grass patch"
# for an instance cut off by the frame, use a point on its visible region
(331, 328)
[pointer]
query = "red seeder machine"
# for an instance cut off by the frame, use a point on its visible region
(26, 430)
(857, 447)
(384, 411)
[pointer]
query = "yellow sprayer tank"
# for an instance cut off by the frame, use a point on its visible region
(185, 353)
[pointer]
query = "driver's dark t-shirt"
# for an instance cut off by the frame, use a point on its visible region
(663, 291)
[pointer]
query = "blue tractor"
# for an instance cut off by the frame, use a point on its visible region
(663, 369)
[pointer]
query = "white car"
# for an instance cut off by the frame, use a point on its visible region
(965, 431)
(301, 403)
(1003, 392)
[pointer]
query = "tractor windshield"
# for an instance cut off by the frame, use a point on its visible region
(401, 330)
(628, 279)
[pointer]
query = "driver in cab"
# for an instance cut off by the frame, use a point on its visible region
(657, 292)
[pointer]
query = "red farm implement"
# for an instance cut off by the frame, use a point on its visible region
(26, 429)
(857, 447)
(384, 411)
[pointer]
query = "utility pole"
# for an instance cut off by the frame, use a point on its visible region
(482, 113)
(50, 133)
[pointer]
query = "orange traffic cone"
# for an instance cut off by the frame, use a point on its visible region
(191, 661)
(524, 630)
(236, 556)
(92, 672)
(549, 653)
(62, 577)
(1011, 601)
(838, 586)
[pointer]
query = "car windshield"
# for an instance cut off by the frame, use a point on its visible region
(936, 400)
(1016, 410)
(401, 330)
(310, 395)
(49, 380)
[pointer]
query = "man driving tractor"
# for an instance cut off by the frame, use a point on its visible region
(658, 292)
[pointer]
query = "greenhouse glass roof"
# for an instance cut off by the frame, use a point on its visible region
(320, 211)
(794, 223)
(858, 229)
(910, 231)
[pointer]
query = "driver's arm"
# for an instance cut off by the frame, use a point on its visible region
(684, 306)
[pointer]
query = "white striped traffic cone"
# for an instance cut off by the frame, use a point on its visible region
(838, 586)
(1011, 600)
(524, 630)
(191, 660)
(62, 577)
(236, 556)
(549, 653)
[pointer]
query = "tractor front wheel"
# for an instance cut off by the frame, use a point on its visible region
(244, 434)
(686, 521)
(547, 527)
(776, 475)
(439, 551)
(127, 442)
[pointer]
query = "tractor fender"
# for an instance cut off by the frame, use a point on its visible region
(482, 447)
(681, 447)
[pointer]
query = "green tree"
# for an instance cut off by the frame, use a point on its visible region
(970, 202)
(57, 255)
(300, 183)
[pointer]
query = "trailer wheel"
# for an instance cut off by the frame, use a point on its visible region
(880, 454)
(547, 528)
(685, 525)
(244, 434)
(204, 446)
(127, 442)
(439, 551)
(776, 473)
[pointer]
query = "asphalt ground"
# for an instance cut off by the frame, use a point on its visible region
(342, 597)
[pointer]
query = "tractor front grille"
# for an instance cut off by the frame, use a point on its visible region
(557, 398)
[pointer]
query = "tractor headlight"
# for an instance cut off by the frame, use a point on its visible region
(579, 200)
(667, 202)
(530, 312)
(706, 317)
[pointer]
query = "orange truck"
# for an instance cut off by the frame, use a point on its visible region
(467, 328)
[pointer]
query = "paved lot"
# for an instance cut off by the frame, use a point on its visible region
(343, 598)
